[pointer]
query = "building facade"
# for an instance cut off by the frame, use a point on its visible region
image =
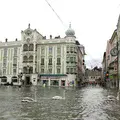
(111, 64)
(37, 60)
(94, 75)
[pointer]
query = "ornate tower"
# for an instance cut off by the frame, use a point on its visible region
(29, 59)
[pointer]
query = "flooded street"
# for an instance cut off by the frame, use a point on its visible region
(88, 103)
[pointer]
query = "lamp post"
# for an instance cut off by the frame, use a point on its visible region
(20, 78)
(28, 68)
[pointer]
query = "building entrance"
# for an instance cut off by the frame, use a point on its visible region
(27, 80)
(62, 82)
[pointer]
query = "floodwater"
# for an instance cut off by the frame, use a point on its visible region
(88, 103)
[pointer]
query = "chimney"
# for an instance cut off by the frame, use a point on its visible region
(6, 40)
(50, 36)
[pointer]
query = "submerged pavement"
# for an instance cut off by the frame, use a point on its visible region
(88, 103)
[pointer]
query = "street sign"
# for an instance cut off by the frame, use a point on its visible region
(114, 51)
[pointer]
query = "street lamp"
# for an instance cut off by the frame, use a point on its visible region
(28, 68)
(20, 78)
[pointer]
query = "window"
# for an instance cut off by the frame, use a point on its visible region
(42, 50)
(31, 70)
(42, 61)
(67, 48)
(74, 59)
(58, 70)
(15, 60)
(31, 58)
(58, 50)
(25, 59)
(67, 58)
(31, 47)
(58, 61)
(8, 54)
(71, 49)
(4, 64)
(14, 71)
(75, 70)
(42, 70)
(15, 51)
(67, 70)
(71, 59)
(50, 61)
(5, 52)
(25, 47)
(50, 50)
(71, 70)
(50, 70)
(54, 82)
(75, 49)
(4, 71)
(4, 79)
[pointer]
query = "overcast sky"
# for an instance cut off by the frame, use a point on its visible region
(93, 21)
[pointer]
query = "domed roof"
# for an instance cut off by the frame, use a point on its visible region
(70, 31)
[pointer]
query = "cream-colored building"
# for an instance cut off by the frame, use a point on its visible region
(37, 60)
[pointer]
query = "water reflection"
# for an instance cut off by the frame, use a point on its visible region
(89, 103)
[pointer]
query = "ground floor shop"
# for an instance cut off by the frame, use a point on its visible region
(41, 79)
(57, 80)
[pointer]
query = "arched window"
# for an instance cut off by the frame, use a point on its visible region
(31, 58)
(25, 47)
(25, 70)
(14, 79)
(25, 59)
(31, 47)
(4, 79)
(31, 70)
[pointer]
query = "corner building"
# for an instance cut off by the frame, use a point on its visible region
(37, 60)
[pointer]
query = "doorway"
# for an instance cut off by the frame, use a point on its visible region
(62, 82)
(27, 80)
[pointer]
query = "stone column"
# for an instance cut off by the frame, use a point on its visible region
(49, 82)
(59, 82)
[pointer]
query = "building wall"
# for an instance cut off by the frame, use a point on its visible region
(61, 56)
